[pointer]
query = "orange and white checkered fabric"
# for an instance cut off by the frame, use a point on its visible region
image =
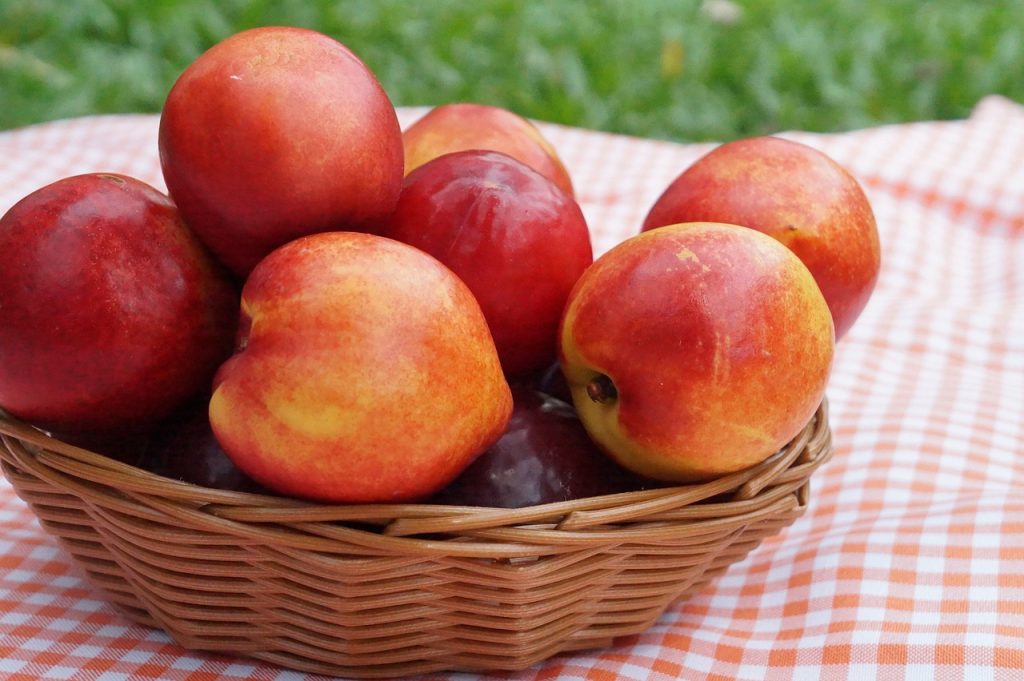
(910, 561)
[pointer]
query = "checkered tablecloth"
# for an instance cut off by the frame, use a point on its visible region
(910, 561)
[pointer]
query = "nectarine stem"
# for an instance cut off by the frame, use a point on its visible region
(601, 389)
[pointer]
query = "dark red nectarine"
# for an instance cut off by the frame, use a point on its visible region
(112, 313)
(518, 241)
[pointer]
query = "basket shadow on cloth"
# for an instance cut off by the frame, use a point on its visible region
(387, 590)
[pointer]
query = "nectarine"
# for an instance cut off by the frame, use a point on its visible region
(518, 242)
(274, 133)
(364, 372)
(112, 313)
(696, 350)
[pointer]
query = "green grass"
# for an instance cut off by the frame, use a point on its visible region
(658, 68)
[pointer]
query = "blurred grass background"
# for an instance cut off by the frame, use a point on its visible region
(675, 69)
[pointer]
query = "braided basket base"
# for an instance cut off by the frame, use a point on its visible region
(386, 590)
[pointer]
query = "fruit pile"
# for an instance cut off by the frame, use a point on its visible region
(328, 308)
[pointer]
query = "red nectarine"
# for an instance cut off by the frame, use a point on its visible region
(112, 313)
(364, 373)
(274, 133)
(696, 350)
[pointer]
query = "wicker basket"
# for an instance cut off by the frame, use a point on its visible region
(386, 590)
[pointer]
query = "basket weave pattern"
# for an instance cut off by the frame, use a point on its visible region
(386, 590)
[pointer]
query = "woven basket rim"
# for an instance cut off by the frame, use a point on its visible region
(66, 465)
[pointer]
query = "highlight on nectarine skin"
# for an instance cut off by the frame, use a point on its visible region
(795, 194)
(696, 350)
